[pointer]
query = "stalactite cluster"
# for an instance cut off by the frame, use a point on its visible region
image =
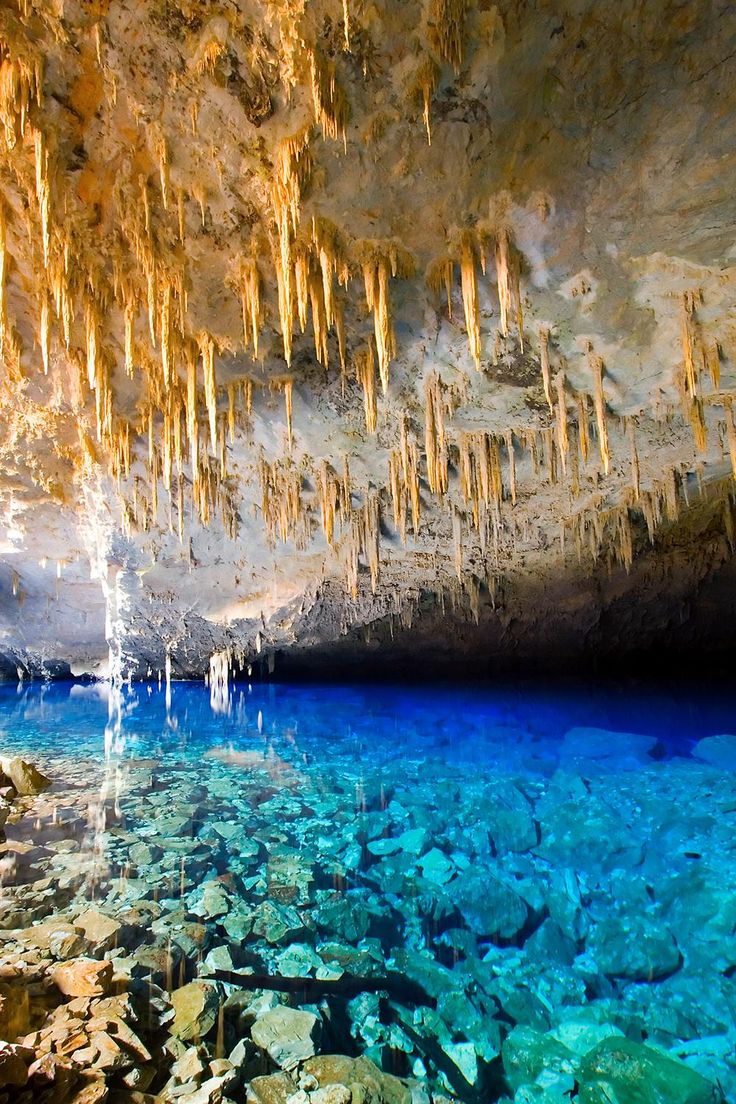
(130, 296)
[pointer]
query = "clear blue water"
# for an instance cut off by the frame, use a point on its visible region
(558, 861)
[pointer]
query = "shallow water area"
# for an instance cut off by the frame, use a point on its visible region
(492, 894)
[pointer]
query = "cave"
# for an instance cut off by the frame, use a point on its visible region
(367, 529)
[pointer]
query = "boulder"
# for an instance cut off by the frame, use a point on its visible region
(14, 1063)
(488, 906)
(718, 751)
(25, 778)
(83, 977)
(288, 1035)
(621, 1070)
(100, 930)
(638, 949)
(195, 1010)
(14, 1011)
(364, 1080)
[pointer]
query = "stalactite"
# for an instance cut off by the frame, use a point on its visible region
(583, 427)
(288, 396)
(44, 324)
(596, 366)
(43, 190)
(457, 542)
(434, 434)
(731, 433)
(696, 417)
(423, 86)
(544, 363)
(713, 357)
(365, 371)
(379, 260)
(441, 273)
(634, 459)
(207, 352)
(293, 167)
(191, 408)
(346, 22)
(446, 27)
(509, 295)
(563, 442)
(250, 298)
(470, 296)
(690, 300)
(328, 99)
(3, 274)
(511, 457)
(165, 327)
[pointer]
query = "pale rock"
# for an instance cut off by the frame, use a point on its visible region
(288, 1035)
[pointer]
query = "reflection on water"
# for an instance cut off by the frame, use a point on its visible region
(477, 889)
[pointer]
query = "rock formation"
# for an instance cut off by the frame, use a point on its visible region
(334, 328)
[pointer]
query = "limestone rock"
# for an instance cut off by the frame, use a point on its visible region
(364, 1080)
(14, 1011)
(630, 1073)
(195, 1006)
(14, 1063)
(288, 1035)
(83, 977)
(26, 779)
(100, 931)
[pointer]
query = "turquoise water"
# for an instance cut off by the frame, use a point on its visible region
(474, 887)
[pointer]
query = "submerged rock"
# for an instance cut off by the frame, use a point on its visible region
(83, 977)
(718, 751)
(630, 1073)
(25, 778)
(195, 1010)
(489, 907)
(364, 1080)
(288, 1035)
(638, 949)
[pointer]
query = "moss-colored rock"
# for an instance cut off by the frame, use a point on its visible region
(620, 1071)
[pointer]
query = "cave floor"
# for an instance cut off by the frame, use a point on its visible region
(326, 893)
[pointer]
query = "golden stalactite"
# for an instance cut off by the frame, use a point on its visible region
(435, 444)
(690, 370)
(583, 426)
(595, 363)
(441, 274)
(288, 399)
(3, 274)
(730, 433)
(634, 459)
(544, 364)
(21, 78)
(379, 261)
(207, 353)
(696, 417)
(509, 293)
(365, 372)
(330, 105)
(470, 295)
(44, 328)
(563, 439)
(446, 29)
(511, 460)
(292, 169)
(457, 542)
(330, 491)
(422, 88)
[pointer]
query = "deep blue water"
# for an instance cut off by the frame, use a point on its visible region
(507, 723)
(541, 862)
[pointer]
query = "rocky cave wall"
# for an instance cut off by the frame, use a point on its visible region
(341, 332)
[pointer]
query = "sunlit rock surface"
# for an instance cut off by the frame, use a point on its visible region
(347, 331)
